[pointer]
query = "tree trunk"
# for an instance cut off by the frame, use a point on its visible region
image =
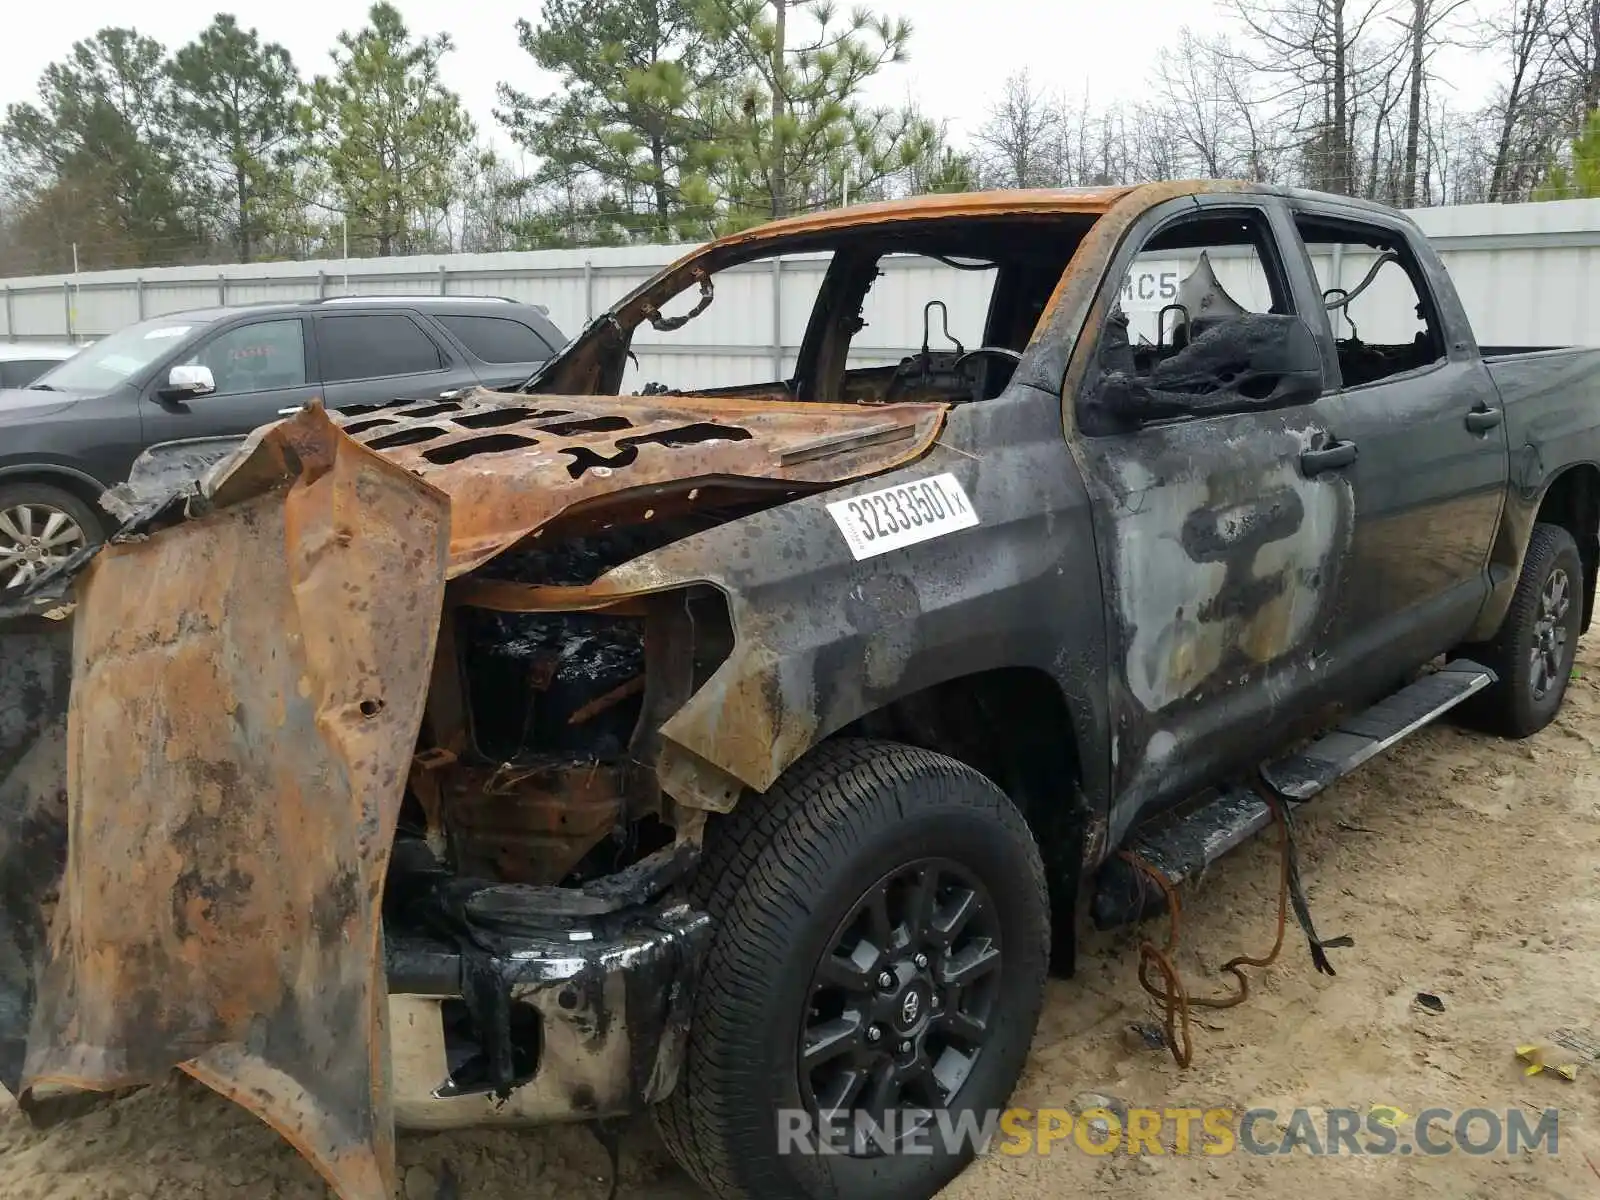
(1342, 173)
(1528, 29)
(780, 111)
(1408, 181)
(1591, 75)
(658, 159)
(1502, 150)
(240, 185)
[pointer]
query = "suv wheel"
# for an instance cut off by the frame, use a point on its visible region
(1537, 643)
(878, 964)
(40, 526)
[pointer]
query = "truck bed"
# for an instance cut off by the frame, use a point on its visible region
(1552, 400)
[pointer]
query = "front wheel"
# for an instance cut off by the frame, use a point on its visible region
(1533, 650)
(41, 526)
(873, 982)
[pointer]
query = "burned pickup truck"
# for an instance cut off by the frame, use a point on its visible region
(752, 751)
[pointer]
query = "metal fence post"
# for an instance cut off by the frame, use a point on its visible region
(138, 295)
(588, 291)
(444, 280)
(777, 318)
(1337, 271)
(222, 289)
(66, 303)
(322, 285)
(11, 317)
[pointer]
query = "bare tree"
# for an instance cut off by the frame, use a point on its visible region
(1213, 110)
(1382, 169)
(1527, 38)
(1575, 41)
(1327, 57)
(1427, 23)
(1019, 145)
(1196, 113)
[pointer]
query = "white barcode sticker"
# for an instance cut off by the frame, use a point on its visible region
(903, 515)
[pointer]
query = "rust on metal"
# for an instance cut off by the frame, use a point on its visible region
(532, 824)
(611, 699)
(944, 206)
(220, 905)
(572, 450)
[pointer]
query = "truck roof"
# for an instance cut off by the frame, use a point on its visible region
(1015, 202)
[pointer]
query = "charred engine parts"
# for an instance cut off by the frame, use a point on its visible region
(542, 727)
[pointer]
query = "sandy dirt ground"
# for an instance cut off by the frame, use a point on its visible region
(1462, 866)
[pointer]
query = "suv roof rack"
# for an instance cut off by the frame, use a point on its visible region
(402, 299)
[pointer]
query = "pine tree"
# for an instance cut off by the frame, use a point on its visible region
(235, 103)
(388, 138)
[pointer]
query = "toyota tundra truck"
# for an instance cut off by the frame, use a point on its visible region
(751, 750)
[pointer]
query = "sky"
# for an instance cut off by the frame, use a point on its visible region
(961, 50)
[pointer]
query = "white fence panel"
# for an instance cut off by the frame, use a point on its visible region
(1525, 273)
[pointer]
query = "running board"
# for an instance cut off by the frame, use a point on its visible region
(1366, 735)
(1182, 846)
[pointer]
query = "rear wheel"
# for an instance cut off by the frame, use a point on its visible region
(1537, 642)
(41, 525)
(877, 970)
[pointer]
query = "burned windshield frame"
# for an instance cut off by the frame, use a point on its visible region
(1032, 249)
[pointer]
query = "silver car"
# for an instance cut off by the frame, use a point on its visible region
(24, 527)
(23, 362)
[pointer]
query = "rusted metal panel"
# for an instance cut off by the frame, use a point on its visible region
(532, 824)
(512, 465)
(247, 689)
(938, 207)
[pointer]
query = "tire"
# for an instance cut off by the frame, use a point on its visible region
(1528, 693)
(60, 521)
(780, 877)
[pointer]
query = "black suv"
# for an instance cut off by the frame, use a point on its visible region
(76, 430)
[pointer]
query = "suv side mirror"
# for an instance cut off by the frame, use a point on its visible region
(1237, 364)
(187, 380)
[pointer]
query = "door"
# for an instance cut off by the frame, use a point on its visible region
(260, 368)
(380, 357)
(1219, 556)
(1415, 399)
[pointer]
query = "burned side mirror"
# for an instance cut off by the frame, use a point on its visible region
(1242, 363)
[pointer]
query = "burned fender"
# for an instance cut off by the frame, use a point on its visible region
(823, 638)
(247, 687)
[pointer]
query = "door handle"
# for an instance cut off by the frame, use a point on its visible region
(1481, 420)
(452, 393)
(289, 412)
(1329, 458)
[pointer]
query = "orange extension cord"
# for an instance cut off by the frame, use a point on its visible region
(1173, 995)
